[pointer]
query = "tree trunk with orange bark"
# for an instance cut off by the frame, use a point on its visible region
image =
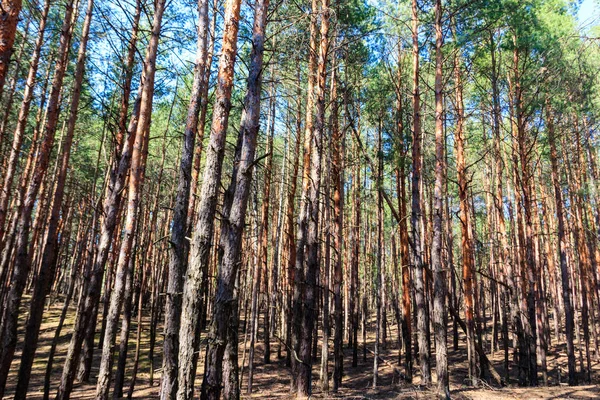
(9, 17)
(223, 340)
(22, 263)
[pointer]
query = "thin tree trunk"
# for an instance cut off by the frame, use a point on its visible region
(22, 264)
(261, 265)
(22, 120)
(290, 233)
(12, 88)
(378, 264)
(337, 173)
(87, 309)
(50, 249)
(180, 246)
(311, 218)
(416, 214)
(324, 278)
(136, 178)
(466, 229)
(439, 276)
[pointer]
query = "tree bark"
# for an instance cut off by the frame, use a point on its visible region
(48, 265)
(180, 246)
(136, 178)
(416, 214)
(19, 132)
(87, 309)
(261, 265)
(223, 329)
(310, 223)
(9, 17)
(337, 175)
(22, 264)
(439, 276)
(299, 273)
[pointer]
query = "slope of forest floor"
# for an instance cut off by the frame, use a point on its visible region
(272, 380)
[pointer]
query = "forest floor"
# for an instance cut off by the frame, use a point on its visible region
(271, 381)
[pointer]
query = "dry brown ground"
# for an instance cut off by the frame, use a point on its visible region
(272, 381)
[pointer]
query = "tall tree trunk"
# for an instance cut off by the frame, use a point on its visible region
(311, 221)
(301, 236)
(223, 330)
(261, 266)
(269, 308)
(354, 289)
(379, 264)
(290, 231)
(87, 309)
(439, 276)
(324, 277)
(180, 247)
(406, 278)
(19, 133)
(50, 249)
(416, 214)
(337, 173)
(529, 275)
(22, 264)
(136, 178)
(466, 228)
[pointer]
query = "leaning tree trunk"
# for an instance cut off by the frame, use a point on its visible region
(136, 178)
(22, 118)
(22, 264)
(180, 247)
(223, 329)
(125, 324)
(48, 265)
(87, 309)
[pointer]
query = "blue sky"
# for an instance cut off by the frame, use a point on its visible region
(589, 13)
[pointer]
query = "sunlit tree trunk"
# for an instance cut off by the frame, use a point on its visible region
(180, 247)
(439, 276)
(9, 17)
(19, 132)
(416, 214)
(49, 259)
(223, 341)
(337, 176)
(301, 235)
(311, 217)
(22, 264)
(466, 228)
(136, 178)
